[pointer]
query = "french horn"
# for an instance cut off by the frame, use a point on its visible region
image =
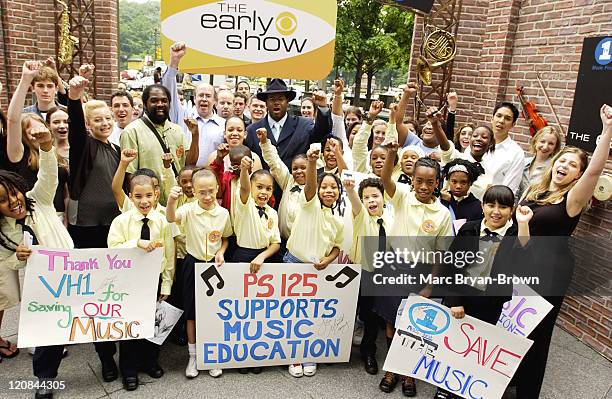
(438, 49)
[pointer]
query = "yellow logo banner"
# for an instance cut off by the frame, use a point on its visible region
(274, 38)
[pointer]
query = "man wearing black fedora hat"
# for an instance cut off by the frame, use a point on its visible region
(292, 135)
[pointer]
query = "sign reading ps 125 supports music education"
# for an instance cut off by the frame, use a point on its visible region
(281, 38)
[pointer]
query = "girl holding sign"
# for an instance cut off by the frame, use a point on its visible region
(489, 236)
(31, 212)
(320, 235)
(418, 213)
(557, 202)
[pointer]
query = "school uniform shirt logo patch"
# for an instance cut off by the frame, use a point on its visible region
(428, 226)
(214, 236)
(270, 224)
(180, 151)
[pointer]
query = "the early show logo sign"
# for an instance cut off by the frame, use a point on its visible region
(281, 38)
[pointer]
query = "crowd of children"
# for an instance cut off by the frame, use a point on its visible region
(433, 183)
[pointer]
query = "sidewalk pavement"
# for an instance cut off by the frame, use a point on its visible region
(574, 371)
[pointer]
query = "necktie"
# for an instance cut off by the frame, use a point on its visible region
(296, 189)
(25, 227)
(491, 236)
(145, 231)
(262, 211)
(382, 235)
(404, 178)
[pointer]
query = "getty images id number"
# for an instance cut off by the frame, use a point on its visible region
(36, 384)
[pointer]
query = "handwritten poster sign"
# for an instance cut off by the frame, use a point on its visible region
(524, 311)
(88, 295)
(284, 314)
(467, 357)
(276, 38)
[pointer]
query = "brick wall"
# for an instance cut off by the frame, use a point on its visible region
(29, 27)
(503, 43)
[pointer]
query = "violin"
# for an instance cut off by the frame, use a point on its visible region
(530, 113)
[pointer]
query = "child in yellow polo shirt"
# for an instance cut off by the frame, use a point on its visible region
(370, 219)
(292, 183)
(320, 234)
(418, 213)
(145, 228)
(256, 223)
(207, 227)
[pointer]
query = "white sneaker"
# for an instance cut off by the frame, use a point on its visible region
(310, 370)
(215, 373)
(191, 371)
(296, 370)
(358, 333)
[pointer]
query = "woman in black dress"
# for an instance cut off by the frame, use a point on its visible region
(557, 202)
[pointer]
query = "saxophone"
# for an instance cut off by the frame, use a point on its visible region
(66, 40)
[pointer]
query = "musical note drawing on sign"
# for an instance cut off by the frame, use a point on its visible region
(346, 271)
(207, 275)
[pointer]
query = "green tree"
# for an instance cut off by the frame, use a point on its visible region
(139, 28)
(371, 37)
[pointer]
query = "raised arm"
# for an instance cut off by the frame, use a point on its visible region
(245, 184)
(46, 185)
(387, 169)
(452, 100)
(77, 131)
(14, 144)
(335, 147)
(278, 169)
(194, 150)
(349, 186)
(310, 189)
(402, 130)
(171, 215)
(322, 125)
(338, 128)
(435, 117)
(127, 156)
(177, 111)
(582, 192)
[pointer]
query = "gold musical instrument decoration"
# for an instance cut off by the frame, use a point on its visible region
(438, 49)
(66, 40)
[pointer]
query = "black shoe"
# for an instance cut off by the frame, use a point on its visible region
(371, 365)
(388, 383)
(409, 387)
(43, 394)
(109, 370)
(155, 371)
(130, 383)
(243, 370)
(255, 370)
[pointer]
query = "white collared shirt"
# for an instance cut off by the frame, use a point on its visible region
(115, 135)
(277, 127)
(501, 231)
(211, 135)
(505, 164)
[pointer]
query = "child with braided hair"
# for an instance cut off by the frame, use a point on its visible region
(460, 175)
